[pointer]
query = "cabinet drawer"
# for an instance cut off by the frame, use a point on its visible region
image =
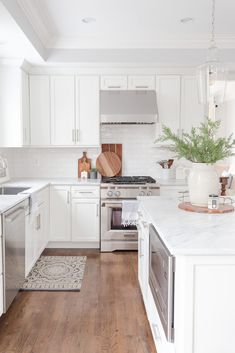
(141, 82)
(113, 82)
(85, 192)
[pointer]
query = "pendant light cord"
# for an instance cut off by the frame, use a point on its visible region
(213, 43)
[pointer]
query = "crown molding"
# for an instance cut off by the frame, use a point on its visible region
(40, 26)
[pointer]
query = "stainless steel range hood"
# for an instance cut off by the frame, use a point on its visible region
(128, 107)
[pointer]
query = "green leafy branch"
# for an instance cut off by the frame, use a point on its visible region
(201, 145)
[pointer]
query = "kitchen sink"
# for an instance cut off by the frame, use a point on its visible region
(11, 190)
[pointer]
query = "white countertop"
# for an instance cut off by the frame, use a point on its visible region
(187, 233)
(35, 185)
(172, 182)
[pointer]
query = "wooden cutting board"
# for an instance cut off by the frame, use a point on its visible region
(108, 164)
(113, 147)
(84, 164)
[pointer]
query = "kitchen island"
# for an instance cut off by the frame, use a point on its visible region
(202, 247)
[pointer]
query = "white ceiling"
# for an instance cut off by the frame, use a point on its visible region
(124, 30)
(129, 23)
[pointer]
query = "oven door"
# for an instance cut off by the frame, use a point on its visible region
(161, 281)
(111, 223)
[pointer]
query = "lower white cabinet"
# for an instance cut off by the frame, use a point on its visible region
(60, 213)
(143, 256)
(74, 216)
(85, 220)
(37, 229)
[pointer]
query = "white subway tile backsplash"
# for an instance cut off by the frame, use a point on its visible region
(139, 155)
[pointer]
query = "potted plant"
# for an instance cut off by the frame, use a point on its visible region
(203, 149)
(93, 173)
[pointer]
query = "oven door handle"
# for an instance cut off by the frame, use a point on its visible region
(111, 205)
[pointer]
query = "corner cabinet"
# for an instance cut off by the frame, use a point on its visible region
(14, 107)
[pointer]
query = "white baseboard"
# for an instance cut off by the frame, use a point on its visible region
(73, 245)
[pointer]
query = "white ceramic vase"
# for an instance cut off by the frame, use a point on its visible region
(203, 180)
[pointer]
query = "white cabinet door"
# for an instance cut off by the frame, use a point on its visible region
(40, 110)
(62, 110)
(10, 107)
(168, 98)
(141, 82)
(192, 113)
(60, 213)
(25, 108)
(88, 111)
(114, 83)
(85, 220)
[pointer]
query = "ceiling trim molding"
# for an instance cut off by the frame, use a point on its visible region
(33, 15)
(226, 42)
(20, 18)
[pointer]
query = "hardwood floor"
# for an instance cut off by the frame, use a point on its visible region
(107, 316)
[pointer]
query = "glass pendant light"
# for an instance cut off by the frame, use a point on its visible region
(212, 75)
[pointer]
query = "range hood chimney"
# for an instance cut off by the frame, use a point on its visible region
(128, 107)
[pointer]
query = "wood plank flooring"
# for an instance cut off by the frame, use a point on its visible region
(107, 316)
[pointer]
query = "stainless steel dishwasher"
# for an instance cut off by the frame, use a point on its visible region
(14, 251)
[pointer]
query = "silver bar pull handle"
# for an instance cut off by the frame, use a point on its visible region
(68, 196)
(73, 135)
(114, 86)
(141, 87)
(77, 135)
(97, 210)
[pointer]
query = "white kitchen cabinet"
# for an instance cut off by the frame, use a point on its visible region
(37, 229)
(87, 111)
(60, 213)
(40, 110)
(85, 220)
(192, 113)
(168, 98)
(141, 82)
(109, 82)
(143, 256)
(63, 110)
(25, 108)
(14, 101)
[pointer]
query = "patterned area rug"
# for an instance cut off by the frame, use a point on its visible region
(56, 273)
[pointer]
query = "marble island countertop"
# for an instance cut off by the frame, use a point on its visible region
(187, 233)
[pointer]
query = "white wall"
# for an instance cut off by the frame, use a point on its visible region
(139, 155)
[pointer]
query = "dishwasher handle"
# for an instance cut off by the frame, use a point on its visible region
(11, 217)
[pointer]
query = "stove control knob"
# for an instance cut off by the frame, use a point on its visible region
(117, 193)
(149, 193)
(142, 193)
(110, 193)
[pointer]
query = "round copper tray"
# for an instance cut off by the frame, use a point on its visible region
(223, 208)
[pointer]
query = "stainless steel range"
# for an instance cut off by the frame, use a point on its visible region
(114, 236)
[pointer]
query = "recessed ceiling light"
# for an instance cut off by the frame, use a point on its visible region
(88, 19)
(186, 20)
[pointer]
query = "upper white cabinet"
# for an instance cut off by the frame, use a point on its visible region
(87, 111)
(141, 82)
(168, 98)
(192, 113)
(119, 82)
(14, 100)
(63, 110)
(40, 110)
